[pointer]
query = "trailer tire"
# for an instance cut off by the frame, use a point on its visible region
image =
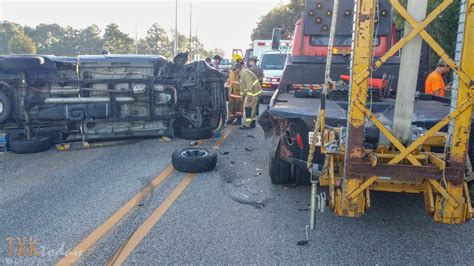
(194, 160)
(5, 107)
(280, 170)
(301, 176)
(21, 145)
(195, 133)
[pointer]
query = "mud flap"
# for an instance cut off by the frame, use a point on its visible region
(265, 120)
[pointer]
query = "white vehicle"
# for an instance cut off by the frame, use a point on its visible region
(272, 64)
(262, 46)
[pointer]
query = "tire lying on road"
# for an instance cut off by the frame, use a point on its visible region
(22, 145)
(194, 160)
(195, 133)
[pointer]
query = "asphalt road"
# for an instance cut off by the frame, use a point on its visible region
(230, 215)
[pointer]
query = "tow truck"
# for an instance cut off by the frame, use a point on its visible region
(310, 42)
(291, 117)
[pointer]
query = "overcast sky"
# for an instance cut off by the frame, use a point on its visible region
(225, 24)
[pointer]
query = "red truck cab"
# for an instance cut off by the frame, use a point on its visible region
(307, 62)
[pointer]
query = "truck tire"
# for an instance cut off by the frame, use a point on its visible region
(195, 133)
(22, 145)
(194, 160)
(5, 107)
(301, 176)
(280, 170)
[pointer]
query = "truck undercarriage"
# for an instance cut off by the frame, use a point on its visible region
(107, 97)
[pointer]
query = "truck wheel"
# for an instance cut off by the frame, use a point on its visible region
(22, 145)
(195, 133)
(301, 176)
(5, 107)
(194, 160)
(280, 170)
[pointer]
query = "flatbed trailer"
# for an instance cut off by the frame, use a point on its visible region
(290, 121)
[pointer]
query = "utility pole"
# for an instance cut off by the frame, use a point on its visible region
(136, 40)
(190, 29)
(175, 50)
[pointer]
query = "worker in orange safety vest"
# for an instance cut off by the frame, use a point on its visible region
(434, 83)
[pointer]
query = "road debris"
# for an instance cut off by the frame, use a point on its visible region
(165, 139)
(304, 242)
(259, 172)
(249, 149)
(193, 143)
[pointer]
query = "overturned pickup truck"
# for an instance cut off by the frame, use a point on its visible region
(48, 99)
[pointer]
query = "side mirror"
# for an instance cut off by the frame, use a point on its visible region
(276, 38)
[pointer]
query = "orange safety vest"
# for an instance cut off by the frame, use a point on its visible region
(434, 82)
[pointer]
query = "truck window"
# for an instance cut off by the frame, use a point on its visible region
(341, 40)
(248, 53)
(273, 61)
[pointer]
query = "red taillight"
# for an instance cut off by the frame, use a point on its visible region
(261, 44)
(275, 80)
(299, 141)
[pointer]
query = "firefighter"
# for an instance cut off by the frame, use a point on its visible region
(252, 66)
(236, 103)
(217, 62)
(250, 89)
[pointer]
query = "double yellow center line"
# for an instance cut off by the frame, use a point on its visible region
(143, 229)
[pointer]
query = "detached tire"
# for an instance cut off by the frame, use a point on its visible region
(194, 160)
(195, 133)
(5, 107)
(280, 171)
(34, 145)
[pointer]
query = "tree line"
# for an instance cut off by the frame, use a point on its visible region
(68, 41)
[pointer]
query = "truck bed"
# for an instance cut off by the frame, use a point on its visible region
(287, 106)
